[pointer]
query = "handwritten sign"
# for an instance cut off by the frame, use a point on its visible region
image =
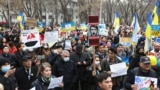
(55, 82)
(50, 37)
(118, 69)
(145, 83)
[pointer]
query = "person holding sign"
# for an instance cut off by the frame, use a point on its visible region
(144, 70)
(112, 59)
(44, 77)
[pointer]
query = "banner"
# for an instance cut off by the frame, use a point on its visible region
(50, 37)
(126, 41)
(145, 83)
(30, 38)
(102, 30)
(155, 30)
(69, 26)
(83, 26)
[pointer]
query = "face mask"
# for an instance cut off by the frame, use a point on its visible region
(5, 68)
(55, 51)
(97, 62)
(66, 59)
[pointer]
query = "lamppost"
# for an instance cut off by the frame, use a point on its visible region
(100, 13)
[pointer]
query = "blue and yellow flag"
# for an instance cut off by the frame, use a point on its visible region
(155, 13)
(136, 28)
(69, 26)
(20, 18)
(148, 33)
(116, 23)
(83, 26)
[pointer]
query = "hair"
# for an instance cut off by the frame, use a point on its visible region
(42, 68)
(112, 50)
(19, 44)
(102, 76)
(65, 51)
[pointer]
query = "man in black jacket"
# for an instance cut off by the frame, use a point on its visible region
(81, 59)
(66, 68)
(26, 74)
(144, 70)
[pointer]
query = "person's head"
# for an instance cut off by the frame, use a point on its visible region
(145, 63)
(97, 60)
(104, 81)
(65, 55)
(101, 48)
(4, 40)
(119, 47)
(156, 47)
(45, 70)
(79, 49)
(5, 49)
(112, 53)
(21, 46)
(4, 64)
(27, 61)
(140, 50)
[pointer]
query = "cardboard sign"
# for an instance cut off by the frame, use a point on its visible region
(51, 36)
(145, 83)
(30, 38)
(93, 20)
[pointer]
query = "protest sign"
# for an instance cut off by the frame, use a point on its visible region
(102, 30)
(145, 83)
(55, 82)
(118, 69)
(68, 26)
(126, 41)
(30, 38)
(51, 36)
(67, 45)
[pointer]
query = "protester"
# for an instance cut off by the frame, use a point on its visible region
(105, 65)
(44, 77)
(66, 68)
(7, 78)
(81, 59)
(26, 74)
(144, 70)
(104, 81)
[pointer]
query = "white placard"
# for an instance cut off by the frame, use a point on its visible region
(118, 69)
(30, 38)
(34, 88)
(67, 45)
(145, 83)
(50, 37)
(55, 82)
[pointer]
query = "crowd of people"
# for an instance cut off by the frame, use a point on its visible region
(82, 67)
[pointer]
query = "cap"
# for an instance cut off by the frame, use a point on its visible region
(145, 60)
(3, 61)
(26, 57)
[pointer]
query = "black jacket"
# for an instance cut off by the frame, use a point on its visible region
(24, 83)
(19, 57)
(138, 72)
(68, 71)
(81, 68)
(8, 83)
(10, 57)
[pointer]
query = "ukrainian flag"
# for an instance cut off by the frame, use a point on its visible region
(135, 31)
(69, 26)
(20, 18)
(155, 13)
(83, 26)
(116, 23)
(148, 32)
